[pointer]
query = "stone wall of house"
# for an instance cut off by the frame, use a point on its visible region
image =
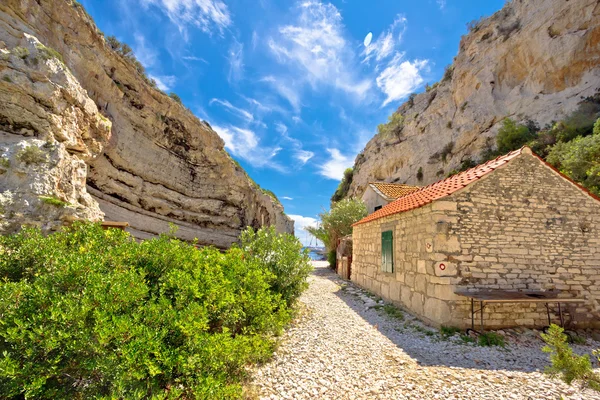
(520, 227)
(526, 227)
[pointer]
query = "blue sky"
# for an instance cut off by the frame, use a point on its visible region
(295, 89)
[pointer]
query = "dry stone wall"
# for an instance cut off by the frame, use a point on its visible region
(521, 227)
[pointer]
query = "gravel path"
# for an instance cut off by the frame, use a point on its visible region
(344, 348)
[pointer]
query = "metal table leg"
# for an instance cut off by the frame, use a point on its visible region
(548, 312)
(472, 314)
(481, 305)
(560, 314)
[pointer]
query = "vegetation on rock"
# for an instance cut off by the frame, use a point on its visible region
(88, 312)
(31, 155)
(393, 127)
(344, 186)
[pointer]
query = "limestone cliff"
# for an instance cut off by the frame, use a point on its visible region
(158, 164)
(532, 60)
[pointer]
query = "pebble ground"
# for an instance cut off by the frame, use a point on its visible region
(345, 346)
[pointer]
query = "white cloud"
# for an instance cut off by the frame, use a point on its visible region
(300, 225)
(315, 45)
(287, 198)
(244, 143)
(400, 78)
(368, 39)
(387, 41)
(285, 90)
(203, 14)
(441, 4)
(236, 110)
(303, 156)
(164, 82)
(235, 57)
(194, 58)
(144, 53)
(334, 168)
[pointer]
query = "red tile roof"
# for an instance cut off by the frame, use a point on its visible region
(393, 190)
(441, 189)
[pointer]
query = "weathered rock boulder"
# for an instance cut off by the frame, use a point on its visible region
(162, 164)
(532, 60)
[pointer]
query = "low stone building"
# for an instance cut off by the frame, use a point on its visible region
(379, 194)
(513, 223)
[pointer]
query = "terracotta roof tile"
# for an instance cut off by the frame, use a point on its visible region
(393, 190)
(440, 189)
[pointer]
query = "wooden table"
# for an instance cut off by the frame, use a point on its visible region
(503, 296)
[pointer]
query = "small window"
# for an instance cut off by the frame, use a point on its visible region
(377, 208)
(387, 251)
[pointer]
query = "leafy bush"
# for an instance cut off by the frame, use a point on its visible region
(48, 53)
(579, 159)
(89, 313)
(420, 174)
(31, 155)
(448, 331)
(566, 365)
(337, 222)
(175, 97)
(21, 52)
(393, 127)
(512, 136)
(344, 186)
(55, 201)
(448, 72)
(332, 259)
(491, 339)
(283, 256)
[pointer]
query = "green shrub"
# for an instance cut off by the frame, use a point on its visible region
(393, 312)
(282, 254)
(270, 194)
(31, 155)
(55, 201)
(448, 331)
(48, 53)
(337, 222)
(175, 97)
(344, 186)
(6, 78)
(4, 163)
(579, 159)
(512, 136)
(393, 127)
(448, 72)
(21, 52)
(567, 365)
(91, 313)
(491, 339)
(420, 174)
(332, 259)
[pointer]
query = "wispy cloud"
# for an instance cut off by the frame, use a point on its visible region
(143, 52)
(194, 58)
(235, 57)
(400, 78)
(298, 152)
(244, 143)
(336, 165)
(387, 41)
(441, 4)
(285, 90)
(315, 45)
(287, 198)
(206, 15)
(164, 82)
(248, 116)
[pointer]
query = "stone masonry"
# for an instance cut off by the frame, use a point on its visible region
(522, 226)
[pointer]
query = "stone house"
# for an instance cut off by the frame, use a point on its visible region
(513, 223)
(379, 194)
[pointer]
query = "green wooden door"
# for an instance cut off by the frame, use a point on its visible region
(387, 251)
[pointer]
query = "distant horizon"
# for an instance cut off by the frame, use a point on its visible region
(294, 91)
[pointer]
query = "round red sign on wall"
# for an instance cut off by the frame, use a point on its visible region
(442, 266)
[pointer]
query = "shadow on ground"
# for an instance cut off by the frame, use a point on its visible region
(428, 348)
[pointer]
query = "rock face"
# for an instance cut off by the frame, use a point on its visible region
(161, 164)
(49, 129)
(532, 60)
